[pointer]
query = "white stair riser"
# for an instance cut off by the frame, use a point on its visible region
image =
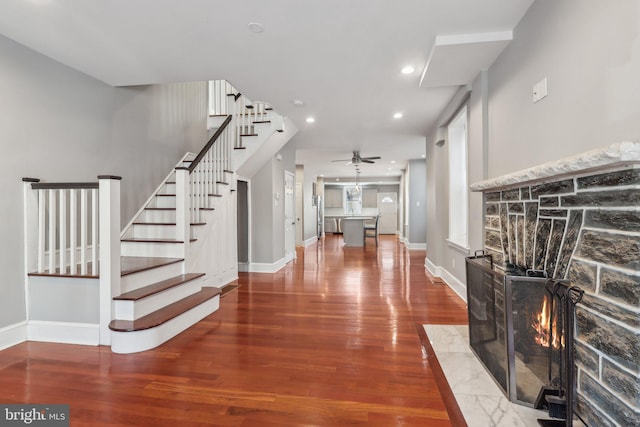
(152, 249)
(164, 202)
(133, 310)
(133, 342)
(135, 281)
(154, 231)
(149, 215)
(169, 188)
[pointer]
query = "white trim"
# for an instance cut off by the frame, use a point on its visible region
(415, 246)
(64, 332)
(404, 240)
(243, 267)
(456, 285)
(259, 267)
(13, 334)
(310, 241)
(457, 246)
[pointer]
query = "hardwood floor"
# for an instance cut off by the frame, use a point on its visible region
(330, 340)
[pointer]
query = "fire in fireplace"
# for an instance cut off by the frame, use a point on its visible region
(520, 327)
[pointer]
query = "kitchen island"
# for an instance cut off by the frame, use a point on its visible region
(353, 230)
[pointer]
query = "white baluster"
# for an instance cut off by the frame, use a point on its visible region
(94, 233)
(73, 224)
(52, 232)
(62, 231)
(42, 205)
(83, 231)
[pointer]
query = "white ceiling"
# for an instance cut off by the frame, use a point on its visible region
(341, 57)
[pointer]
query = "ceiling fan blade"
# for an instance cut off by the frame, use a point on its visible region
(372, 158)
(349, 163)
(367, 161)
(341, 160)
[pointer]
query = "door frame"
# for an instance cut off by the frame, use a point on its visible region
(395, 196)
(249, 228)
(290, 257)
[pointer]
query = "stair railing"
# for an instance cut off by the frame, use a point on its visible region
(248, 114)
(200, 181)
(73, 229)
(224, 99)
(64, 229)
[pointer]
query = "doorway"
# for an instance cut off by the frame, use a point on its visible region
(388, 211)
(243, 225)
(289, 217)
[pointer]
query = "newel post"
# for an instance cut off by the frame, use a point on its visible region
(30, 232)
(109, 232)
(183, 217)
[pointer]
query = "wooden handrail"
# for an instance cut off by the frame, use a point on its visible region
(63, 185)
(209, 144)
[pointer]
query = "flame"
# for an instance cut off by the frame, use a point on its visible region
(542, 327)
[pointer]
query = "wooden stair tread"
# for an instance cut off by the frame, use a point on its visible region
(157, 287)
(249, 134)
(261, 121)
(165, 195)
(135, 264)
(165, 314)
(239, 148)
(213, 195)
(160, 209)
(227, 171)
(222, 182)
(153, 240)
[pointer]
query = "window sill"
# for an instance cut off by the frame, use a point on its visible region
(457, 246)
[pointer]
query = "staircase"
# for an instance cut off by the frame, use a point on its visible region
(135, 289)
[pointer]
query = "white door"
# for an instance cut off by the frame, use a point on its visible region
(388, 211)
(289, 217)
(299, 213)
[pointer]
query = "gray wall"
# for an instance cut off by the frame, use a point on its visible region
(58, 124)
(417, 196)
(267, 219)
(590, 53)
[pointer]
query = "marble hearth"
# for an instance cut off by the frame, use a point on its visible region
(579, 219)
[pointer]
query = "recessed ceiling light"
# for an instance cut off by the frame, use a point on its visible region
(389, 169)
(423, 156)
(255, 27)
(408, 69)
(397, 116)
(310, 120)
(322, 175)
(298, 102)
(392, 161)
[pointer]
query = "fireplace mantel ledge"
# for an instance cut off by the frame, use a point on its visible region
(618, 154)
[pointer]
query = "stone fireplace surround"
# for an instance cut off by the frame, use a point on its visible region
(579, 219)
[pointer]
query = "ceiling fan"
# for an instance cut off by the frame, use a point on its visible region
(357, 159)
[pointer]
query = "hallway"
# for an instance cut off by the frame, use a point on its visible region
(330, 340)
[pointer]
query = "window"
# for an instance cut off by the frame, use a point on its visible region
(458, 185)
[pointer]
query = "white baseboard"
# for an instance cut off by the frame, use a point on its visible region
(404, 240)
(64, 332)
(258, 267)
(243, 267)
(416, 246)
(13, 334)
(456, 285)
(310, 241)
